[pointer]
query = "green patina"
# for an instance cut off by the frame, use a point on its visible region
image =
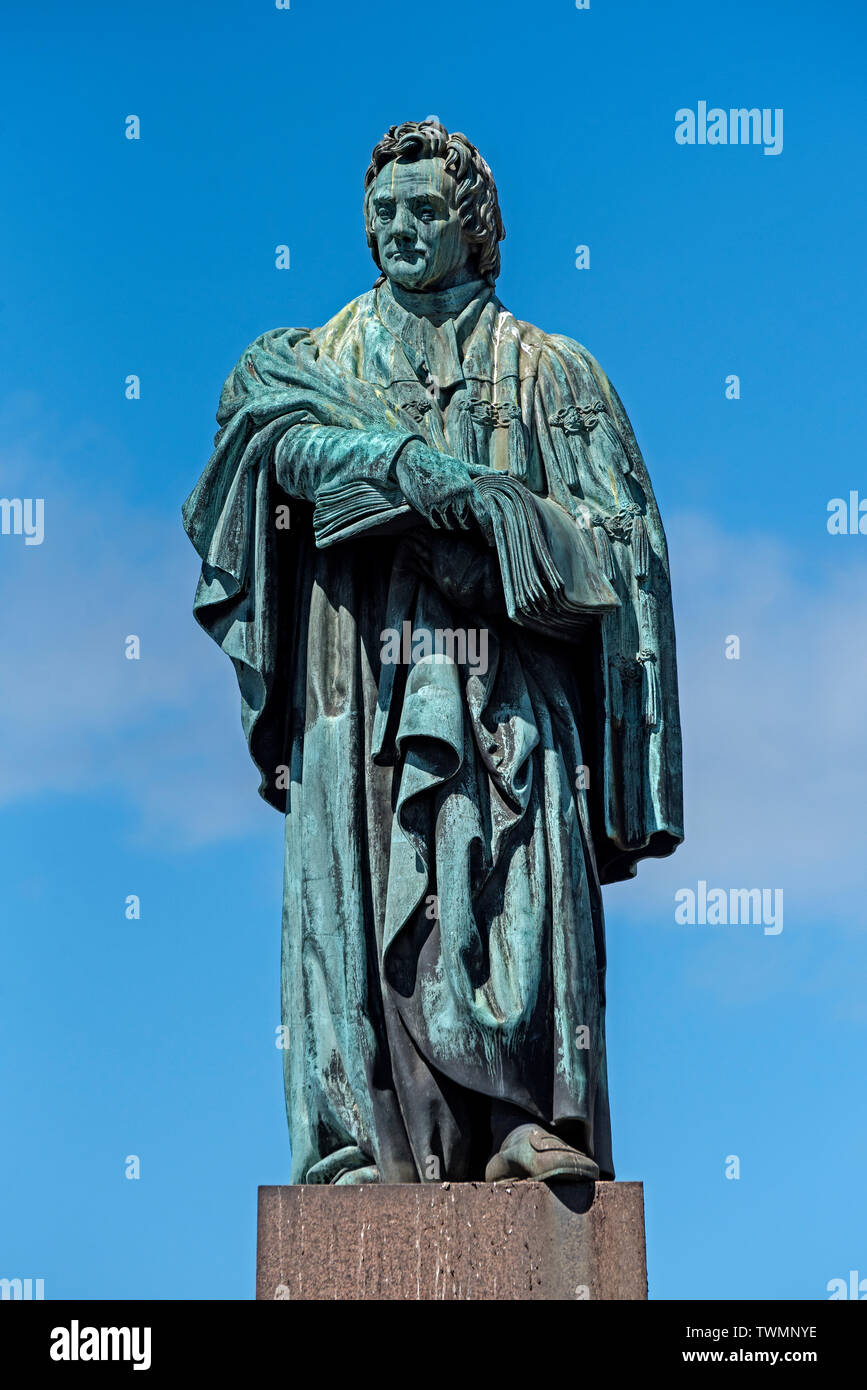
(445, 465)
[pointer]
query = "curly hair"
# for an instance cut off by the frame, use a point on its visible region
(477, 204)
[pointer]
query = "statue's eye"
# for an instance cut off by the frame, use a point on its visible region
(426, 214)
(384, 213)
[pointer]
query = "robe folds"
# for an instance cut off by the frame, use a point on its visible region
(448, 827)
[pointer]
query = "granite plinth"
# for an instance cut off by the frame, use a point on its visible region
(419, 1241)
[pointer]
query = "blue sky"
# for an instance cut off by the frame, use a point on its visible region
(156, 257)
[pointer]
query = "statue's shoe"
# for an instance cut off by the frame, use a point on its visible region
(530, 1152)
(351, 1176)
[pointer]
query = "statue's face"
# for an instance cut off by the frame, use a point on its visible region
(415, 222)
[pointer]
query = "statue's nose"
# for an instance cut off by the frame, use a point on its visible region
(403, 225)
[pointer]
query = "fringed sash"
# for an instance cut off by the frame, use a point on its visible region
(477, 417)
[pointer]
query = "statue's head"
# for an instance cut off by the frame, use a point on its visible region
(430, 209)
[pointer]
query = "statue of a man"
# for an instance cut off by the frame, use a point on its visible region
(431, 550)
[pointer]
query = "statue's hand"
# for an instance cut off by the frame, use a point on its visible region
(440, 488)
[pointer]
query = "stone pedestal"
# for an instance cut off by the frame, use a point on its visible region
(413, 1241)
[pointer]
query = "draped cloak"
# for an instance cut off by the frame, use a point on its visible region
(447, 828)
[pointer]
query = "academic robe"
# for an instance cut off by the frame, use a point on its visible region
(447, 831)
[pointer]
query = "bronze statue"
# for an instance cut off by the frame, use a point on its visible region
(431, 549)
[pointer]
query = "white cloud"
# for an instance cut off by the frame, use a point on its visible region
(163, 733)
(775, 742)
